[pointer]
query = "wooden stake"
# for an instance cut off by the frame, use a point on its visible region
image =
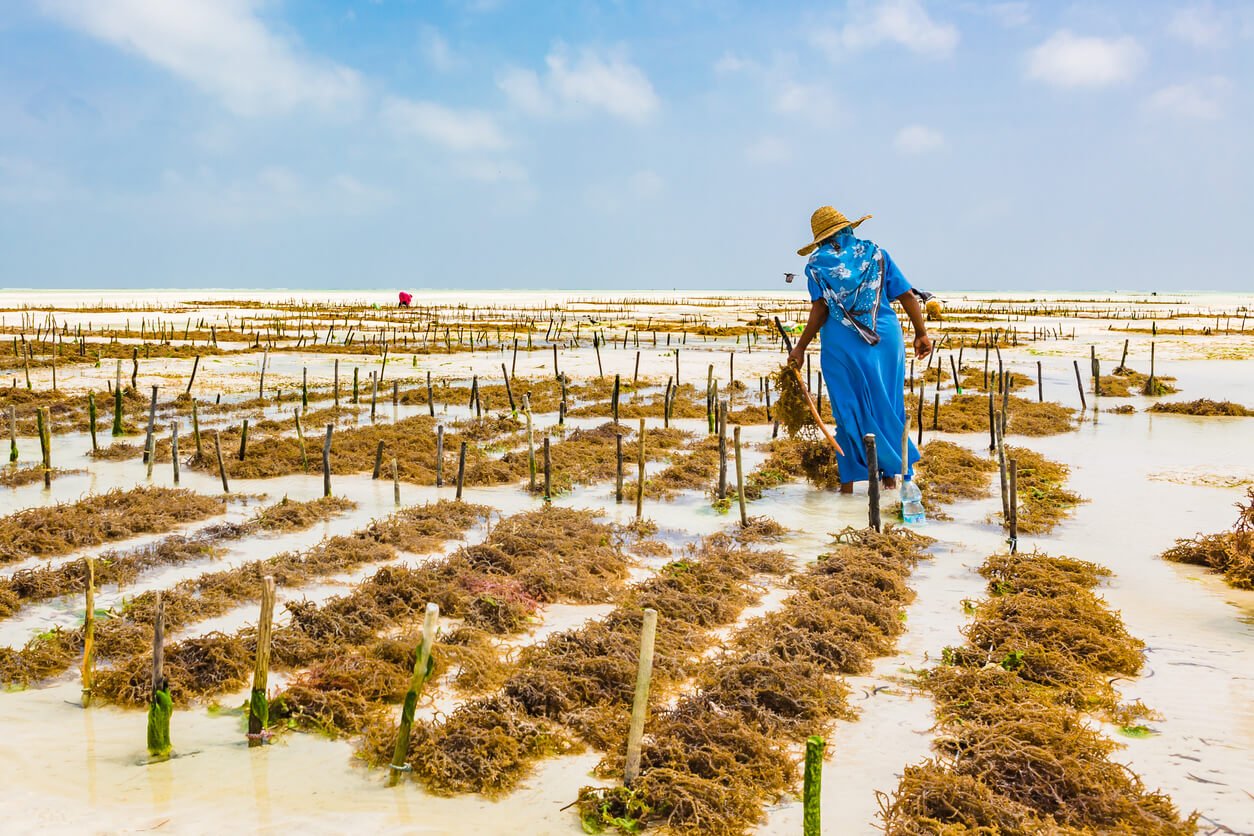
(873, 481)
(423, 668)
(1040, 386)
(548, 472)
(461, 469)
(243, 439)
(300, 438)
(91, 419)
(89, 633)
(196, 430)
(640, 701)
(217, 449)
(640, 475)
(192, 379)
(396, 484)
(152, 420)
(174, 449)
(430, 397)
(618, 458)
(258, 704)
(378, 461)
(326, 462)
(439, 456)
(1079, 385)
(740, 480)
(1014, 506)
(722, 449)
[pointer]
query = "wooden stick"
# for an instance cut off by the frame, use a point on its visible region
(89, 633)
(1079, 385)
(1014, 506)
(326, 462)
(461, 469)
(174, 449)
(192, 379)
(217, 449)
(300, 438)
(378, 461)
(430, 396)
(873, 481)
(1040, 386)
(439, 456)
(91, 419)
(618, 459)
(740, 479)
(640, 474)
(548, 472)
(243, 439)
(160, 706)
(811, 819)
(422, 671)
(396, 483)
(640, 701)
(258, 704)
(12, 433)
(722, 450)
(152, 420)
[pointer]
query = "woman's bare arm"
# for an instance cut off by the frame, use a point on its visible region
(922, 343)
(818, 315)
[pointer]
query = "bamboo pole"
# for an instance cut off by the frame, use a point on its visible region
(640, 700)
(811, 818)
(423, 667)
(160, 706)
(258, 704)
(89, 633)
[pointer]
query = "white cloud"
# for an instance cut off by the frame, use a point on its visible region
(589, 80)
(1199, 26)
(1202, 99)
(271, 193)
(903, 22)
(1010, 15)
(731, 63)
(221, 46)
(1070, 60)
(918, 139)
(458, 130)
(436, 50)
(768, 150)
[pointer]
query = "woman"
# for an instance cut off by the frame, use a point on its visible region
(852, 285)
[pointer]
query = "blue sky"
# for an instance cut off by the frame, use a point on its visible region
(510, 144)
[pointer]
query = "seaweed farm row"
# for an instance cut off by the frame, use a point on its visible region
(352, 566)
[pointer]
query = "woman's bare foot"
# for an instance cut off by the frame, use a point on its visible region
(889, 482)
(846, 487)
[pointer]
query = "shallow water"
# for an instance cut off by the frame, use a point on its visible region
(1148, 478)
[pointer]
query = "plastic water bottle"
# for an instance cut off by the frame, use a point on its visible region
(911, 503)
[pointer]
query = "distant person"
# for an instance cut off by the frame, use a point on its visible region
(852, 285)
(405, 299)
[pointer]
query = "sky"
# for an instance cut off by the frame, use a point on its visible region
(341, 144)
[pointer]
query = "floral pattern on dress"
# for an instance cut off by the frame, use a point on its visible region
(852, 285)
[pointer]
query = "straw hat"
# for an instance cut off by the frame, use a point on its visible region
(824, 223)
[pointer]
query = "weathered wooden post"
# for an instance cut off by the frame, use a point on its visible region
(548, 472)
(396, 483)
(174, 449)
(243, 439)
(217, 449)
(152, 420)
(740, 480)
(439, 456)
(640, 475)
(91, 419)
(618, 459)
(12, 433)
(326, 462)
(1014, 506)
(1079, 385)
(873, 481)
(43, 426)
(258, 704)
(461, 469)
(640, 700)
(378, 461)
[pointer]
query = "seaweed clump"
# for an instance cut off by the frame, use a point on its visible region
(100, 518)
(1043, 500)
(1230, 553)
(1204, 407)
(969, 413)
(1015, 755)
(711, 763)
(947, 472)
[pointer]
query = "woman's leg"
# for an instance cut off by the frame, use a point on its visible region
(846, 487)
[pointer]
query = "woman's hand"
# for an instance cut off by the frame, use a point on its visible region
(797, 357)
(922, 345)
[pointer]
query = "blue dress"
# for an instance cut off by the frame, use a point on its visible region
(864, 381)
